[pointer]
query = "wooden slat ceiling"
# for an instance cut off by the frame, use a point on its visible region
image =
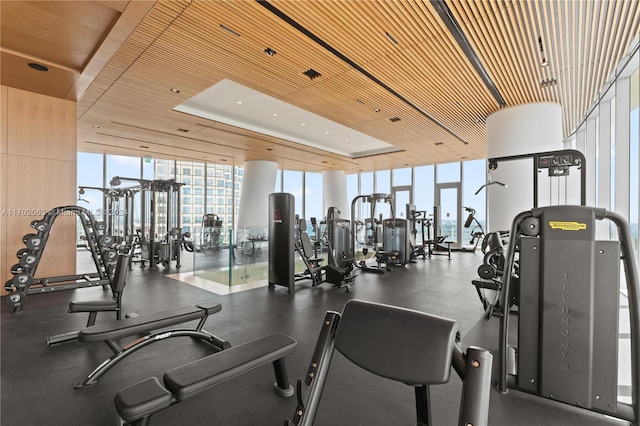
(377, 59)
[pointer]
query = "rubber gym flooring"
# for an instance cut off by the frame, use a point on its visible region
(37, 381)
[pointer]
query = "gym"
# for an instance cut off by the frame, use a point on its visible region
(418, 212)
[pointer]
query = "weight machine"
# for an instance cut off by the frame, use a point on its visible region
(568, 313)
(159, 237)
(374, 233)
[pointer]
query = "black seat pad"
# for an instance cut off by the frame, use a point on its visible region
(143, 324)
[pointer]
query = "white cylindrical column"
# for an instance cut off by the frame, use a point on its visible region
(259, 181)
(334, 192)
(523, 129)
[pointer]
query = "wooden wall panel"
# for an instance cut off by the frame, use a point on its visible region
(38, 173)
(41, 126)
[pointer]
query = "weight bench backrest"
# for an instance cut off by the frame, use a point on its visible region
(119, 279)
(400, 344)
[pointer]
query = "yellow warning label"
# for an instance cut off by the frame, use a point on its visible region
(568, 226)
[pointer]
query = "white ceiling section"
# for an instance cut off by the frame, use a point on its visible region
(421, 75)
(239, 106)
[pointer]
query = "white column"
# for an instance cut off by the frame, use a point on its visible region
(524, 129)
(259, 181)
(334, 192)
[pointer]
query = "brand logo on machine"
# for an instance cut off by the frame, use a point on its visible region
(568, 226)
(163, 336)
(276, 216)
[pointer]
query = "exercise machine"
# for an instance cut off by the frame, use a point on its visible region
(374, 236)
(477, 232)
(490, 275)
(159, 238)
(407, 346)
(568, 310)
(210, 233)
(339, 268)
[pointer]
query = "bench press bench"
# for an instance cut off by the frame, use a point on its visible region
(153, 328)
(136, 403)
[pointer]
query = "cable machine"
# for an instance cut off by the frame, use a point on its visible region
(160, 235)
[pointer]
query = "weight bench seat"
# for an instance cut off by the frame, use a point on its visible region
(116, 329)
(142, 399)
(198, 375)
(153, 328)
(136, 403)
(488, 284)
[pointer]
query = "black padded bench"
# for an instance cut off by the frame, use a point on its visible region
(136, 403)
(153, 328)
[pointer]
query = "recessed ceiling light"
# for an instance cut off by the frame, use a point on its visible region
(347, 139)
(38, 67)
(390, 37)
(95, 126)
(304, 124)
(239, 102)
(269, 51)
(174, 90)
(326, 133)
(275, 114)
(377, 110)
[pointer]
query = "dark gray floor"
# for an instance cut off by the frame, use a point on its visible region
(37, 381)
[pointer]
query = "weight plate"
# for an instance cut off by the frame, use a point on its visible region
(106, 241)
(100, 226)
(486, 271)
(110, 255)
(15, 300)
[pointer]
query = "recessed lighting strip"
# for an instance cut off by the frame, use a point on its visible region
(355, 66)
(445, 14)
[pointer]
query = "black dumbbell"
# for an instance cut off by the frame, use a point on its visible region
(15, 300)
(40, 225)
(28, 260)
(32, 241)
(22, 281)
(22, 252)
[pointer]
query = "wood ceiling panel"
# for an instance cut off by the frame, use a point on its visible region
(389, 59)
(16, 73)
(61, 32)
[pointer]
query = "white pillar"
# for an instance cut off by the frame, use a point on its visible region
(259, 181)
(523, 129)
(334, 192)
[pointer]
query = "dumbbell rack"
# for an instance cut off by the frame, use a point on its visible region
(24, 281)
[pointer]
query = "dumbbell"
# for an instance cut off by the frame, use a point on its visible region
(22, 252)
(15, 300)
(100, 226)
(40, 225)
(32, 241)
(22, 281)
(28, 260)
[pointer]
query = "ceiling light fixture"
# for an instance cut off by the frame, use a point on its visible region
(95, 126)
(394, 119)
(269, 51)
(377, 110)
(543, 62)
(174, 90)
(38, 67)
(229, 30)
(390, 37)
